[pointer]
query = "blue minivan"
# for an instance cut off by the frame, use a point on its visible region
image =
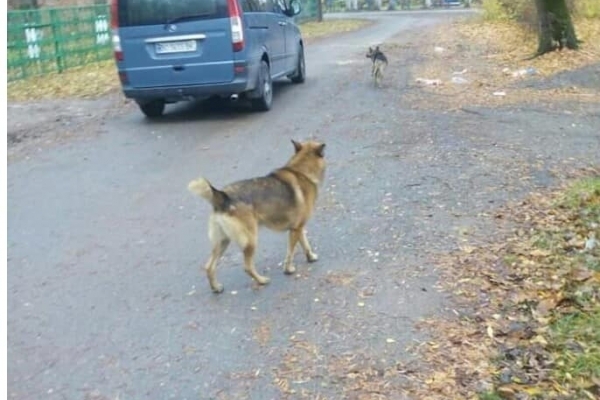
(172, 50)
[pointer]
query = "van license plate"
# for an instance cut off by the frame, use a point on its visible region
(176, 47)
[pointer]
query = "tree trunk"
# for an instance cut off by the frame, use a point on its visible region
(555, 26)
(319, 11)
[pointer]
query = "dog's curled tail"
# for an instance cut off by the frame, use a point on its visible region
(219, 199)
(202, 188)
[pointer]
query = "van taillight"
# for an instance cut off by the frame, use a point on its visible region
(237, 30)
(123, 78)
(114, 24)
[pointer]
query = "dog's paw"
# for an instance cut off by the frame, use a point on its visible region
(312, 257)
(218, 288)
(289, 269)
(263, 280)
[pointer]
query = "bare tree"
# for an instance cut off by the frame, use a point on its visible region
(556, 29)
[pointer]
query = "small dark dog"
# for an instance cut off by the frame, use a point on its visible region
(379, 63)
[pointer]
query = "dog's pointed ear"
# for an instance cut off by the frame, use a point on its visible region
(377, 48)
(297, 145)
(320, 150)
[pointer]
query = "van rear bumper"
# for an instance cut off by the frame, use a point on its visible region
(177, 93)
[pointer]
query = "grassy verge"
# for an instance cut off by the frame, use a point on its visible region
(528, 307)
(97, 79)
(88, 81)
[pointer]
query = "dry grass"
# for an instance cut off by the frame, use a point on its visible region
(315, 30)
(101, 78)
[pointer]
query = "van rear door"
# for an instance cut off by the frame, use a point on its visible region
(175, 42)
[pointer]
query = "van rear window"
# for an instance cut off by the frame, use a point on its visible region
(160, 12)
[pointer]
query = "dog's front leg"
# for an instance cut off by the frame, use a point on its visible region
(310, 255)
(297, 235)
(288, 264)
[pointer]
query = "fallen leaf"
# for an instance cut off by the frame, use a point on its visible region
(581, 274)
(540, 340)
(545, 306)
(540, 253)
(467, 249)
(506, 392)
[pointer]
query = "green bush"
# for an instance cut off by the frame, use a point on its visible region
(492, 10)
(522, 11)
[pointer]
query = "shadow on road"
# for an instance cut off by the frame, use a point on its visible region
(218, 109)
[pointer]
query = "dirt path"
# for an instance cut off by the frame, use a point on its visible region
(105, 296)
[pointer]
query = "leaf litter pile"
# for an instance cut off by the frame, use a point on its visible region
(483, 63)
(527, 307)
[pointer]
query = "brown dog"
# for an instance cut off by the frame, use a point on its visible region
(283, 201)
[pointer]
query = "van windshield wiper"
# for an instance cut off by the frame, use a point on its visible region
(187, 17)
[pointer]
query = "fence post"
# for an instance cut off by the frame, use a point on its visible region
(101, 28)
(56, 37)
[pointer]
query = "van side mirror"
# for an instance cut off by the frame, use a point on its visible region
(294, 8)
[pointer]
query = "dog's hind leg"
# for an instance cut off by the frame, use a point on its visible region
(219, 244)
(211, 266)
(375, 73)
(249, 265)
(245, 236)
(310, 255)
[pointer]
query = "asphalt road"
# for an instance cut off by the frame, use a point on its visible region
(106, 296)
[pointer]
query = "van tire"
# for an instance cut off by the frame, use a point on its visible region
(265, 89)
(300, 74)
(153, 109)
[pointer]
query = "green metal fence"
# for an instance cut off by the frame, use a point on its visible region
(54, 39)
(46, 40)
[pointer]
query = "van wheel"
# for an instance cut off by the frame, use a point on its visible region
(265, 88)
(153, 109)
(300, 75)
